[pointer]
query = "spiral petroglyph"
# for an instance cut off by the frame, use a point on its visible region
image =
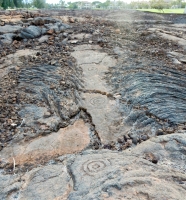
(98, 102)
(92, 167)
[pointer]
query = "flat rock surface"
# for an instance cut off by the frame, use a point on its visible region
(68, 140)
(10, 29)
(96, 96)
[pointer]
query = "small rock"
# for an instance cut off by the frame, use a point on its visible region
(47, 114)
(144, 137)
(176, 61)
(13, 125)
(159, 132)
(117, 31)
(17, 68)
(2, 61)
(43, 39)
(53, 62)
(71, 20)
(120, 140)
(50, 32)
(134, 140)
(64, 42)
(74, 41)
(65, 34)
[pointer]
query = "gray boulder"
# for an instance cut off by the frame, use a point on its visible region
(38, 21)
(10, 29)
(58, 27)
(63, 27)
(54, 27)
(43, 38)
(66, 26)
(7, 38)
(31, 32)
(43, 31)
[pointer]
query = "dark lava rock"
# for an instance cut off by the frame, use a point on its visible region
(152, 97)
(144, 137)
(31, 32)
(134, 140)
(38, 21)
(58, 27)
(54, 27)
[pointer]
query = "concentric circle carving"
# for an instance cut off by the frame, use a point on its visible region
(98, 102)
(93, 167)
(93, 69)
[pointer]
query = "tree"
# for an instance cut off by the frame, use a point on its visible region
(6, 4)
(96, 4)
(179, 3)
(106, 4)
(11, 4)
(158, 4)
(18, 3)
(62, 3)
(1, 2)
(39, 3)
(72, 5)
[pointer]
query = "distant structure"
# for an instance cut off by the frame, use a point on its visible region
(113, 5)
(84, 5)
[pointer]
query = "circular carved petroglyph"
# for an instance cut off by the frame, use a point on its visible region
(93, 69)
(98, 102)
(94, 166)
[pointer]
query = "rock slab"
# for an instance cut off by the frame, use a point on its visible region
(67, 140)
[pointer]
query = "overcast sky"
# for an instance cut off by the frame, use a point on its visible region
(57, 1)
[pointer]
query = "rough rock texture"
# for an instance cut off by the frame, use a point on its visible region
(167, 150)
(31, 32)
(151, 85)
(97, 175)
(94, 108)
(13, 60)
(7, 38)
(38, 21)
(107, 175)
(46, 182)
(50, 92)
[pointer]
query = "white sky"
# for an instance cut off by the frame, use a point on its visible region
(57, 1)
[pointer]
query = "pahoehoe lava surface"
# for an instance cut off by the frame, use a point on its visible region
(92, 105)
(157, 93)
